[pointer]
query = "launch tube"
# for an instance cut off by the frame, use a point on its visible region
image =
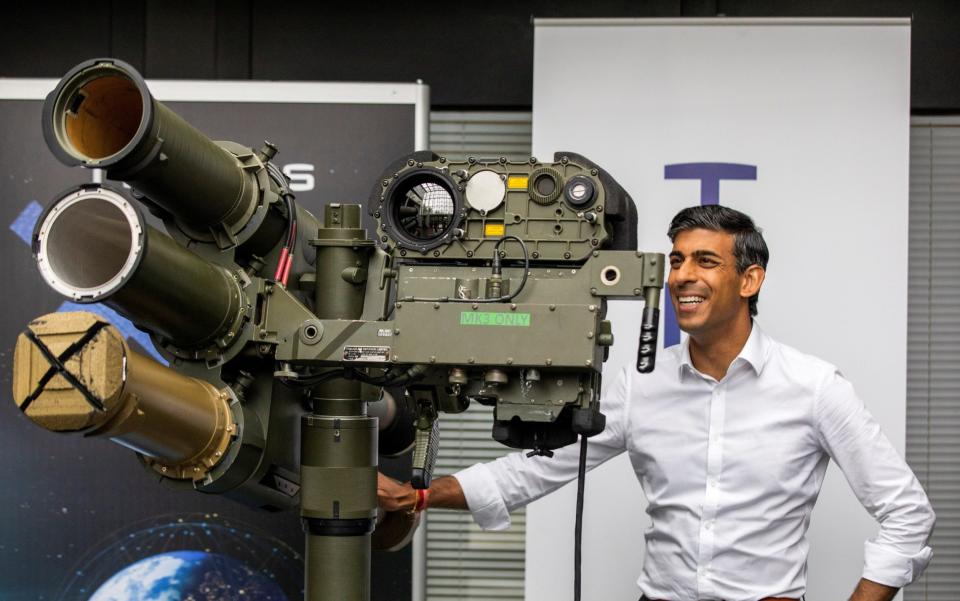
(102, 115)
(93, 245)
(181, 426)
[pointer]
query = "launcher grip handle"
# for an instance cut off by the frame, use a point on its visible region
(649, 330)
(425, 455)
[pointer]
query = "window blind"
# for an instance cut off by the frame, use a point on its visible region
(460, 134)
(933, 344)
(464, 563)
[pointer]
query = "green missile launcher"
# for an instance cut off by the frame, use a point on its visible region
(484, 281)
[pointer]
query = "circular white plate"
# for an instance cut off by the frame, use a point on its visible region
(485, 190)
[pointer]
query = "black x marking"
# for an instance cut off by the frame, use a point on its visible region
(57, 365)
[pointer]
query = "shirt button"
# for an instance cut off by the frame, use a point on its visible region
(713, 484)
(708, 525)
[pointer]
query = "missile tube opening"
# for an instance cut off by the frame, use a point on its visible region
(89, 244)
(93, 245)
(100, 114)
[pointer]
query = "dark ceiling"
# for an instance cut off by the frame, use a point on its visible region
(476, 55)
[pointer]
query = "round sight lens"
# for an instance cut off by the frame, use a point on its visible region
(579, 191)
(425, 210)
(545, 185)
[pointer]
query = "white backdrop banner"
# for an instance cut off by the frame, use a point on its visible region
(802, 124)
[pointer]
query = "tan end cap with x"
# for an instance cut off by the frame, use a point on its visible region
(98, 365)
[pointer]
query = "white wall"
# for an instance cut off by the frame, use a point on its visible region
(822, 109)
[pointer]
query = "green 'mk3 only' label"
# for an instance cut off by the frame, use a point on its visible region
(489, 318)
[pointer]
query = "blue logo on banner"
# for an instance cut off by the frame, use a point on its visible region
(709, 175)
(23, 226)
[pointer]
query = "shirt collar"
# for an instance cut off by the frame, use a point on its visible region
(754, 351)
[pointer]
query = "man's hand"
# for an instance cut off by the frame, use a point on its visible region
(394, 496)
(868, 590)
(444, 492)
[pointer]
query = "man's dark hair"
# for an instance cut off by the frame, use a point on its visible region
(749, 247)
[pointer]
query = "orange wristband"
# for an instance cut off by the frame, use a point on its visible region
(422, 496)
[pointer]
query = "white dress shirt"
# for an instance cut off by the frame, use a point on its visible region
(731, 470)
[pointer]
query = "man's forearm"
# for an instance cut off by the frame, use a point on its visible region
(445, 492)
(868, 590)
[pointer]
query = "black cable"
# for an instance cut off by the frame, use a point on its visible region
(292, 211)
(287, 196)
(391, 377)
(499, 299)
(578, 527)
(526, 263)
(313, 379)
(291, 241)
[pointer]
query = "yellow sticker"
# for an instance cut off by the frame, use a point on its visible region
(517, 182)
(493, 229)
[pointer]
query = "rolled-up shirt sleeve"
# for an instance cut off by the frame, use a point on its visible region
(494, 489)
(881, 480)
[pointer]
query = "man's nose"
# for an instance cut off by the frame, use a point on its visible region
(684, 273)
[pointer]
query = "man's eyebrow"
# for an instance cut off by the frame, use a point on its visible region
(705, 253)
(696, 254)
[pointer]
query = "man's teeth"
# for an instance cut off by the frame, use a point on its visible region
(684, 300)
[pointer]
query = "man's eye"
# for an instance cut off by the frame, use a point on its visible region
(708, 262)
(675, 263)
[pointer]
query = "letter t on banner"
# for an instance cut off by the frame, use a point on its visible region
(709, 175)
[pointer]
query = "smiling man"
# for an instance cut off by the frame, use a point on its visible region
(730, 438)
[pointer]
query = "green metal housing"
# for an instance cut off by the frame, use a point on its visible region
(484, 281)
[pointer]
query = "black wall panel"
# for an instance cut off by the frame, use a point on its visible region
(126, 35)
(234, 39)
(76, 513)
(181, 39)
(935, 47)
(477, 55)
(40, 40)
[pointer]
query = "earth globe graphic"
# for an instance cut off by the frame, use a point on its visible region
(188, 576)
(186, 557)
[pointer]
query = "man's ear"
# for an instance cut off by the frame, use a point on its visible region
(751, 280)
